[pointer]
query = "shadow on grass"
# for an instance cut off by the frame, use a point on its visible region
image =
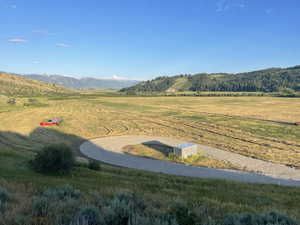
(159, 146)
(37, 139)
(17, 149)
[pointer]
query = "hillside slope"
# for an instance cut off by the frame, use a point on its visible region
(83, 83)
(269, 80)
(12, 84)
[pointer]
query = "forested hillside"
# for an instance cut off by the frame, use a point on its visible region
(269, 80)
(12, 84)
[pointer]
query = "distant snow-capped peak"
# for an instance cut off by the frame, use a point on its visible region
(115, 77)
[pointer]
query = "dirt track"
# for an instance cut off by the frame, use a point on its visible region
(109, 150)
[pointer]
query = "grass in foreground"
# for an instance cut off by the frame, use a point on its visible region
(216, 197)
(65, 205)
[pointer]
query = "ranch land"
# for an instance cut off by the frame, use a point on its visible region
(257, 127)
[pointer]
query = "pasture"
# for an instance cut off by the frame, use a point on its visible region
(258, 127)
(253, 126)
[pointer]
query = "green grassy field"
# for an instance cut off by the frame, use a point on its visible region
(253, 126)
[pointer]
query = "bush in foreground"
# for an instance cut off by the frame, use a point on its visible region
(54, 159)
(89, 215)
(94, 165)
(182, 212)
(62, 193)
(66, 205)
(5, 197)
(271, 218)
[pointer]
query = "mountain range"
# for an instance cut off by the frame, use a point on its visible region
(268, 80)
(83, 83)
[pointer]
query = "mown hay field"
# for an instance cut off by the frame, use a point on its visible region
(253, 126)
(232, 124)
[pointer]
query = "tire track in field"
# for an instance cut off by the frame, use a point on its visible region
(284, 142)
(232, 149)
(123, 125)
(255, 136)
(248, 133)
(236, 138)
(192, 130)
(108, 130)
(216, 132)
(135, 125)
(180, 130)
(248, 118)
(251, 153)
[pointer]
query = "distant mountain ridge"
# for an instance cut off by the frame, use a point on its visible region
(83, 83)
(14, 84)
(268, 80)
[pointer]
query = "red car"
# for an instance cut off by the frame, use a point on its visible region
(51, 122)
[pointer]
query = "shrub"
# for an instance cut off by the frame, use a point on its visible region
(98, 200)
(141, 220)
(124, 209)
(34, 103)
(40, 206)
(62, 193)
(57, 205)
(32, 100)
(5, 196)
(132, 200)
(182, 213)
(271, 218)
(54, 159)
(88, 216)
(66, 211)
(118, 213)
(11, 101)
(172, 156)
(94, 165)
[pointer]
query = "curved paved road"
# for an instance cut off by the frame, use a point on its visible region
(109, 150)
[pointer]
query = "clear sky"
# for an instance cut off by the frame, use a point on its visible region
(147, 38)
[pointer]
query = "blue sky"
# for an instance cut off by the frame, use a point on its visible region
(146, 38)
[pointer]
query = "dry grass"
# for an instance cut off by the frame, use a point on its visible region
(149, 151)
(268, 108)
(188, 118)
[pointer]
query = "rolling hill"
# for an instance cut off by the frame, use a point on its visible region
(268, 80)
(83, 83)
(13, 84)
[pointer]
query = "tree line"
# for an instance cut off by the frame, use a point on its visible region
(269, 80)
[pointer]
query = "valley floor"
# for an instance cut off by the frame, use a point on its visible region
(255, 127)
